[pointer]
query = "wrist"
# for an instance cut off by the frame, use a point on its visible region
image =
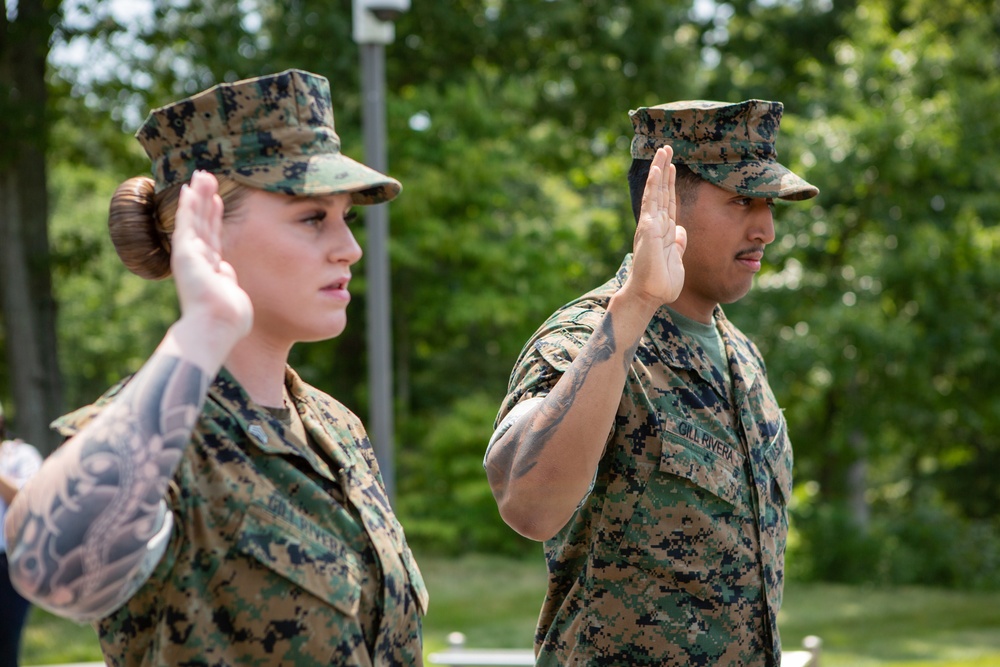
(200, 342)
(632, 313)
(634, 302)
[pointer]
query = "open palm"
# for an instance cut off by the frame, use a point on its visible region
(658, 247)
(206, 284)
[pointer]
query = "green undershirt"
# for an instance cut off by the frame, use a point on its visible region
(707, 336)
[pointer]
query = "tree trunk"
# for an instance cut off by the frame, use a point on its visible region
(25, 275)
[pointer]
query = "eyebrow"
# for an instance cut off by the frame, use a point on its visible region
(326, 200)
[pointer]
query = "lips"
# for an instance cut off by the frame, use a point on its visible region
(752, 254)
(751, 258)
(338, 284)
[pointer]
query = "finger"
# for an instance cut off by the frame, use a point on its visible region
(672, 190)
(657, 185)
(214, 223)
(185, 219)
(662, 160)
(661, 157)
(199, 214)
(204, 188)
(650, 196)
(680, 240)
(191, 198)
(664, 155)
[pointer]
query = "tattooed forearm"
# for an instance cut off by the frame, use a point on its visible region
(82, 532)
(530, 437)
(630, 355)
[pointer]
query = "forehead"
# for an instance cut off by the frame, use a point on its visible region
(702, 192)
(278, 199)
(695, 189)
(722, 193)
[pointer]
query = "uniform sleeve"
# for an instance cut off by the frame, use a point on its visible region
(543, 361)
(550, 352)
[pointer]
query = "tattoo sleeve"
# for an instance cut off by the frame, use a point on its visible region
(89, 528)
(529, 437)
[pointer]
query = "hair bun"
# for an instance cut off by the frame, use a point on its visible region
(139, 241)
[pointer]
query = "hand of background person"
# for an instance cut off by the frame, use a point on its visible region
(658, 248)
(212, 302)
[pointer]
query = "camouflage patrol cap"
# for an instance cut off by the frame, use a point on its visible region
(729, 145)
(272, 132)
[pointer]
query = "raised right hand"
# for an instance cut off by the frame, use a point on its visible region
(210, 296)
(657, 274)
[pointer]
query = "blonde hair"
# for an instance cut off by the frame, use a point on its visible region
(141, 222)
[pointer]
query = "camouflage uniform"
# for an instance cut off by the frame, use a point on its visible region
(676, 556)
(281, 553)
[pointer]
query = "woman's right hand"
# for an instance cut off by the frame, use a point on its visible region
(215, 311)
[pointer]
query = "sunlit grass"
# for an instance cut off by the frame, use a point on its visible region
(49, 639)
(903, 627)
(494, 601)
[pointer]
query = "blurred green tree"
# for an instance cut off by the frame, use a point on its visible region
(508, 127)
(27, 309)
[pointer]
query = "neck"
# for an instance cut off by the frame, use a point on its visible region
(694, 309)
(260, 370)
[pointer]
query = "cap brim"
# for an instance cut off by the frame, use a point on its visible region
(316, 175)
(757, 179)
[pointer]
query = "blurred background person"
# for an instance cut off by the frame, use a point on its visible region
(18, 462)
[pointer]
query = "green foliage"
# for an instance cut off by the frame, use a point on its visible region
(109, 320)
(443, 502)
(488, 242)
(929, 545)
(831, 547)
(878, 320)
(508, 128)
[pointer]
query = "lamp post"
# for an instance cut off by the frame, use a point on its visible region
(372, 30)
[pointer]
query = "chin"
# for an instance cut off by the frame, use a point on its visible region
(735, 295)
(325, 333)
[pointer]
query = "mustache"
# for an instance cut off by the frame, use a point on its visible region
(755, 250)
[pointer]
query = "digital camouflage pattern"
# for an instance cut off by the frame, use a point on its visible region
(272, 132)
(730, 145)
(676, 557)
(281, 554)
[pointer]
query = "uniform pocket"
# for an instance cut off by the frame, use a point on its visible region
(693, 507)
(704, 460)
(292, 546)
(778, 455)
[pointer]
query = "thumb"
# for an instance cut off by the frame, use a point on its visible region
(681, 240)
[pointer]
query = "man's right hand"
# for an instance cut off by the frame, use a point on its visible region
(657, 274)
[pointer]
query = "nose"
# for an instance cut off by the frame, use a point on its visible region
(344, 247)
(762, 225)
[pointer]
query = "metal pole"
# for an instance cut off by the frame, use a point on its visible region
(380, 421)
